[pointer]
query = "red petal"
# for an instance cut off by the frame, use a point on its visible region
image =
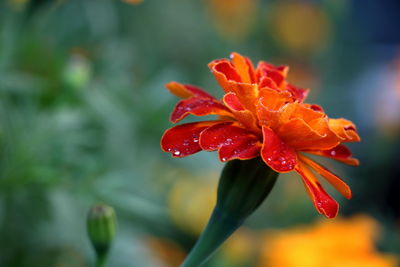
(232, 101)
(266, 82)
(277, 74)
(332, 178)
(298, 93)
(186, 90)
(232, 141)
(224, 72)
(340, 153)
(183, 140)
(324, 203)
(198, 107)
(276, 154)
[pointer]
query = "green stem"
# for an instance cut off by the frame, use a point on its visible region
(219, 228)
(101, 261)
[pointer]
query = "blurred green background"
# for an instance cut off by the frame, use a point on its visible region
(83, 107)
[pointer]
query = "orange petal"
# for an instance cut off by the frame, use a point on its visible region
(186, 90)
(232, 141)
(273, 99)
(308, 113)
(299, 135)
(199, 107)
(243, 67)
(275, 153)
(183, 140)
(340, 153)
(345, 129)
(323, 203)
(230, 81)
(333, 179)
(242, 115)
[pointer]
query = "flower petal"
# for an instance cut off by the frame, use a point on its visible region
(243, 67)
(275, 153)
(199, 107)
(299, 94)
(242, 115)
(324, 203)
(345, 129)
(340, 153)
(230, 81)
(298, 134)
(232, 141)
(183, 140)
(277, 74)
(186, 90)
(224, 72)
(333, 179)
(232, 101)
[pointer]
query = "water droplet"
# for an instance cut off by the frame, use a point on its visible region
(177, 153)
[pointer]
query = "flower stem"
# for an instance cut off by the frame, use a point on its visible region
(101, 261)
(243, 186)
(219, 228)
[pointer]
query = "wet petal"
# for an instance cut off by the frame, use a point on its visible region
(332, 178)
(183, 140)
(232, 141)
(186, 90)
(276, 154)
(199, 107)
(324, 203)
(340, 153)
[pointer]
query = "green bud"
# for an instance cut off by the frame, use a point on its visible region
(243, 186)
(101, 228)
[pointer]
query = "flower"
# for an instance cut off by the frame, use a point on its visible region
(342, 242)
(261, 114)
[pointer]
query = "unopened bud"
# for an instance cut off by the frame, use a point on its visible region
(101, 228)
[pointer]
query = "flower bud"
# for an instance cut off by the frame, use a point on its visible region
(101, 228)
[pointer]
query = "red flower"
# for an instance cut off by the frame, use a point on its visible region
(261, 114)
